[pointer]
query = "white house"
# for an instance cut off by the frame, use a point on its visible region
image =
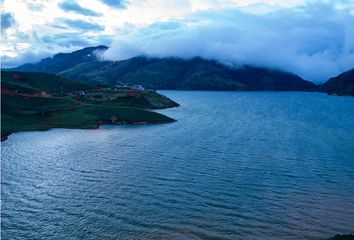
(137, 87)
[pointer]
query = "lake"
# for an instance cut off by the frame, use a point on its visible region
(236, 165)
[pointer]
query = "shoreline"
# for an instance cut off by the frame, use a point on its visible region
(99, 123)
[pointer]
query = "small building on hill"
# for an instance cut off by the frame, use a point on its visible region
(137, 87)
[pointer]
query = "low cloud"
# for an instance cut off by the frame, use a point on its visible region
(49, 45)
(315, 41)
(74, 7)
(28, 56)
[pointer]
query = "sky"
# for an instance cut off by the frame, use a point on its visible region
(311, 38)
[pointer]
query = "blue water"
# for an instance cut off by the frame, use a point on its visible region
(236, 165)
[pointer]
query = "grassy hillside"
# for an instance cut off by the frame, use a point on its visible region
(31, 82)
(81, 117)
(193, 74)
(343, 84)
(34, 101)
(82, 68)
(111, 72)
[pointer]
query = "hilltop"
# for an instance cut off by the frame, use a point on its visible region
(62, 61)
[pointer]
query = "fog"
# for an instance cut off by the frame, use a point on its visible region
(315, 41)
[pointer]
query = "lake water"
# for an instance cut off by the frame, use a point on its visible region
(236, 165)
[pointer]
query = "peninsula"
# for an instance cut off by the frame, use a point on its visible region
(41, 101)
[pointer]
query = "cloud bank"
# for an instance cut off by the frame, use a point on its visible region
(311, 38)
(315, 41)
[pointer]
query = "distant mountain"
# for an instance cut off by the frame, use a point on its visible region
(343, 84)
(62, 61)
(168, 73)
(192, 74)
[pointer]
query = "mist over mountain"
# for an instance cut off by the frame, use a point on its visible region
(313, 39)
(195, 73)
(167, 73)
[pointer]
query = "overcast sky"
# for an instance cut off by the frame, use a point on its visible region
(314, 39)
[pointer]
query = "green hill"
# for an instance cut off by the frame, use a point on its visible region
(63, 61)
(193, 74)
(168, 73)
(82, 68)
(32, 82)
(35, 101)
(343, 84)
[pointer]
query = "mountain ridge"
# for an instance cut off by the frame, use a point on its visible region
(168, 73)
(62, 61)
(343, 84)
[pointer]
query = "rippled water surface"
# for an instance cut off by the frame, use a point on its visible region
(236, 165)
